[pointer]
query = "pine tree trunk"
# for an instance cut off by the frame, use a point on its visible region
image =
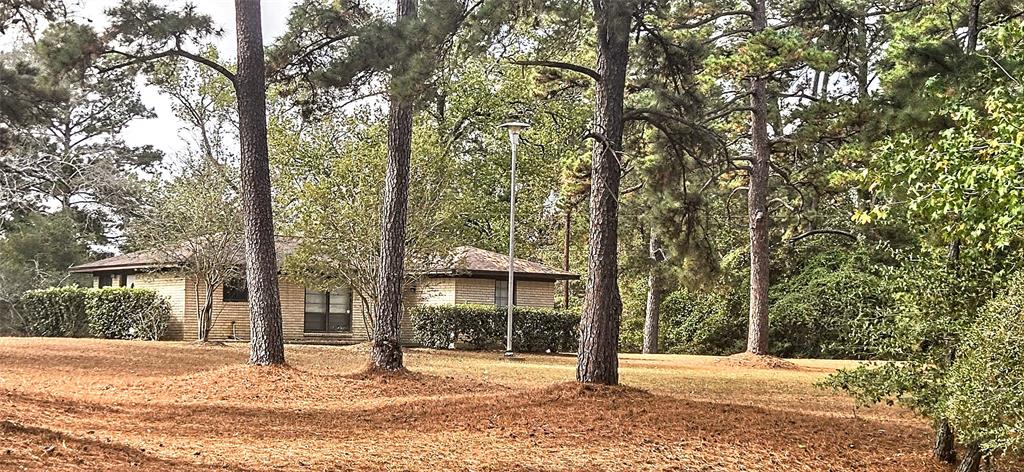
(943, 449)
(565, 257)
(267, 345)
(757, 205)
(972, 460)
(386, 349)
(654, 295)
(602, 308)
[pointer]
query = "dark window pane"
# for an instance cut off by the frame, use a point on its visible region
(106, 280)
(329, 312)
(314, 323)
(501, 292)
(236, 290)
(339, 322)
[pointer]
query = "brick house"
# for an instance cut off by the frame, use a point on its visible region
(475, 276)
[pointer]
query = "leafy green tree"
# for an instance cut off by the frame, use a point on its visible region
(36, 253)
(405, 54)
(195, 224)
(984, 402)
(951, 176)
(329, 197)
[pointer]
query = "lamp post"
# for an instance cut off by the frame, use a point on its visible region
(514, 128)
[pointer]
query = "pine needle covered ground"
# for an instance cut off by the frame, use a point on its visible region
(76, 404)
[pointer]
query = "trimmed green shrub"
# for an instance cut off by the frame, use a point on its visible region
(53, 312)
(127, 313)
(112, 313)
(483, 327)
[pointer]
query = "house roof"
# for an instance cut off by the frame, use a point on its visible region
(466, 260)
(483, 262)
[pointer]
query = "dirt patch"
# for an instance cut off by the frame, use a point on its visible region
(172, 406)
(748, 360)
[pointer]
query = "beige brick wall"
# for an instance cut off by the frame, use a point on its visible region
(480, 291)
(171, 286)
(232, 318)
(536, 293)
(474, 291)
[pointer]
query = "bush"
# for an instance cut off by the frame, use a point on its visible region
(483, 327)
(127, 313)
(985, 401)
(825, 309)
(53, 312)
(702, 322)
(112, 313)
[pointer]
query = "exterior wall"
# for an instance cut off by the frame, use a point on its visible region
(231, 319)
(474, 291)
(480, 291)
(173, 287)
(537, 293)
(429, 291)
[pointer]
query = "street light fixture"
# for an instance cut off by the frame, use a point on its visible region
(514, 128)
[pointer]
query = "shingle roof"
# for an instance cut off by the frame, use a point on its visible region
(476, 260)
(464, 260)
(146, 259)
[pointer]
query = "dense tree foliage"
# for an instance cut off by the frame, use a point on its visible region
(803, 179)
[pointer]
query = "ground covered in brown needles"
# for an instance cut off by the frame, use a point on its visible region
(112, 405)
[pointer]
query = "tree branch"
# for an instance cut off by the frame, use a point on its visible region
(564, 66)
(709, 19)
(813, 232)
(136, 59)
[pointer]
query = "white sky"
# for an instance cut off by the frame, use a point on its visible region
(163, 132)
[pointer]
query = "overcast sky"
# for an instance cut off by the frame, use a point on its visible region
(164, 131)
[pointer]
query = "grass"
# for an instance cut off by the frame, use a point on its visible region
(76, 404)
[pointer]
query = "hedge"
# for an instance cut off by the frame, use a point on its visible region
(112, 313)
(484, 326)
(53, 312)
(127, 313)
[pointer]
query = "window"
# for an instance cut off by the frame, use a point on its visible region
(328, 312)
(501, 293)
(106, 280)
(124, 280)
(236, 290)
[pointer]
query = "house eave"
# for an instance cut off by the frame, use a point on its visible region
(117, 267)
(500, 274)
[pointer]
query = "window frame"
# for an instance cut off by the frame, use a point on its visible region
(327, 314)
(515, 295)
(105, 280)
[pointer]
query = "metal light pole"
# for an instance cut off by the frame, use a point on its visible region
(514, 128)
